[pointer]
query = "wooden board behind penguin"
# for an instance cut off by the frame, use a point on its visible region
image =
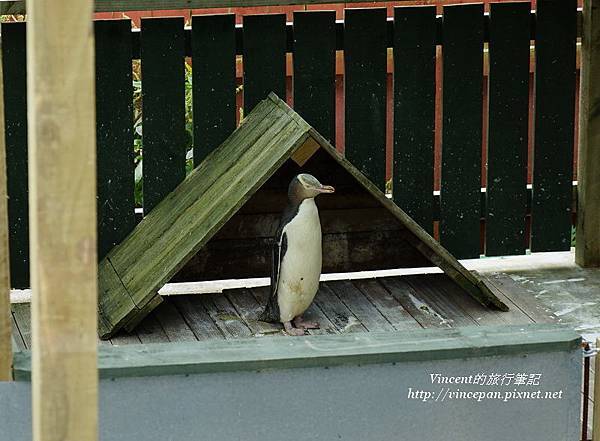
(297, 256)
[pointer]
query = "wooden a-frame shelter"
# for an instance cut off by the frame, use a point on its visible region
(253, 167)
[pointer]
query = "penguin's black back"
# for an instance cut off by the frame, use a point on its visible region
(271, 312)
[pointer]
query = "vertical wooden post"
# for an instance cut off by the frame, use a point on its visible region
(62, 201)
(596, 412)
(5, 314)
(587, 251)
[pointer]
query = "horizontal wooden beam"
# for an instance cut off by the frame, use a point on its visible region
(424, 345)
(18, 7)
(339, 35)
(141, 5)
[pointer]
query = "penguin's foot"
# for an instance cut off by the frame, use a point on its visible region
(291, 330)
(300, 323)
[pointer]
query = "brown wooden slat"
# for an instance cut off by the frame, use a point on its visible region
(17, 337)
(590, 402)
(425, 314)
(522, 299)
(315, 314)
(248, 226)
(312, 314)
(590, 419)
(192, 310)
(387, 305)
(592, 377)
(338, 313)
(125, 338)
(225, 316)
(22, 315)
(431, 291)
(344, 252)
(480, 314)
(514, 314)
(104, 342)
(173, 323)
(360, 306)
(249, 309)
(592, 382)
(150, 331)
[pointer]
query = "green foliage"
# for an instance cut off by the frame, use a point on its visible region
(388, 187)
(137, 127)
(10, 18)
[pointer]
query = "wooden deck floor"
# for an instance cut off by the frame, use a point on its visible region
(384, 304)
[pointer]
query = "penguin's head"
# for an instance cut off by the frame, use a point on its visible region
(305, 186)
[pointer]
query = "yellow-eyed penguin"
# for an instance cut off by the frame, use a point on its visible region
(297, 256)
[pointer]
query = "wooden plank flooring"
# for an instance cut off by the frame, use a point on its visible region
(344, 306)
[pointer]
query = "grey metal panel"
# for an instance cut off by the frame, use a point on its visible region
(347, 402)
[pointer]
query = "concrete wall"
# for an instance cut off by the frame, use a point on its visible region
(347, 402)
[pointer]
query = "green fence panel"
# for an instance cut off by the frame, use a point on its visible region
(556, 33)
(264, 58)
(365, 59)
(15, 110)
(508, 129)
(414, 112)
(114, 133)
(163, 107)
(365, 36)
(213, 81)
(462, 129)
(314, 70)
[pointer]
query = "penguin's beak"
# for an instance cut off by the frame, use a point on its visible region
(326, 189)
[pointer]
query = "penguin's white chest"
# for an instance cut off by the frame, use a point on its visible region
(301, 265)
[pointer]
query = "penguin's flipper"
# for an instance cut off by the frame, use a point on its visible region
(271, 312)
